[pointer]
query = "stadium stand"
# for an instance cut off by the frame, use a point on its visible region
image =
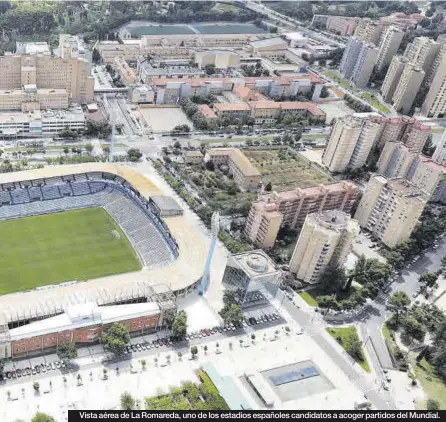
(147, 233)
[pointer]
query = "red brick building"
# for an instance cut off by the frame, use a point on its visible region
(82, 324)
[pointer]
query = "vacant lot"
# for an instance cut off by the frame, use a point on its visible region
(285, 170)
(53, 248)
(164, 119)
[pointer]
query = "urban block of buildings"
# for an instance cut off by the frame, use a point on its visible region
(353, 138)
(325, 239)
(244, 172)
(290, 208)
(390, 209)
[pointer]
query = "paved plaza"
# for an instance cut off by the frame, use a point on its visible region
(164, 119)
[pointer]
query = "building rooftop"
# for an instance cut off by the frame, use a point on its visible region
(256, 263)
(270, 42)
(206, 111)
(296, 105)
(264, 104)
(166, 203)
(237, 156)
(194, 153)
(231, 107)
(32, 48)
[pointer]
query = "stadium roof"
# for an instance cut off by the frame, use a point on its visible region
(181, 273)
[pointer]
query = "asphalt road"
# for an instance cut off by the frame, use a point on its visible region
(408, 282)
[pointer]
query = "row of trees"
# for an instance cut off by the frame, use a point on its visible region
(357, 105)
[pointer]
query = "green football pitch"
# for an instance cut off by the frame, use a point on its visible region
(53, 248)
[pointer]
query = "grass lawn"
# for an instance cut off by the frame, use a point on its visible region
(386, 334)
(339, 80)
(434, 387)
(308, 298)
(53, 248)
(342, 335)
(285, 171)
(375, 102)
(229, 140)
(311, 136)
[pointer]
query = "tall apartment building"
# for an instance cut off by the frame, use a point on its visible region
(290, 209)
(435, 103)
(395, 160)
(439, 155)
(393, 77)
(389, 43)
(325, 239)
(415, 136)
(407, 88)
(422, 52)
(430, 177)
(245, 174)
(390, 209)
(398, 129)
(365, 62)
(369, 31)
(127, 74)
(350, 143)
(358, 61)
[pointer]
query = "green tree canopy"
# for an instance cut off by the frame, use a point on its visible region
(116, 338)
(67, 351)
(42, 417)
(179, 327)
(127, 401)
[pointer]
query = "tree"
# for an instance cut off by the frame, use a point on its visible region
(177, 145)
(428, 148)
(194, 351)
(89, 148)
(428, 279)
(232, 314)
(210, 165)
(67, 351)
(179, 327)
(268, 187)
(324, 92)
(42, 417)
(209, 69)
(36, 386)
(96, 56)
(127, 401)
(400, 301)
(413, 329)
(354, 348)
(116, 338)
(134, 154)
(432, 404)
(322, 62)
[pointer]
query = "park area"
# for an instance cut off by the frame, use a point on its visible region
(285, 170)
(66, 246)
(348, 338)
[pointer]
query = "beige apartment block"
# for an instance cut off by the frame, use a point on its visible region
(193, 157)
(263, 224)
(369, 31)
(232, 110)
(407, 88)
(325, 239)
(390, 209)
(294, 206)
(393, 77)
(435, 103)
(416, 135)
(265, 111)
(431, 178)
(351, 141)
(245, 174)
(389, 42)
(395, 160)
(422, 52)
(127, 74)
(342, 142)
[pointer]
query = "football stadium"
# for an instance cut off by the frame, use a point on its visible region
(77, 241)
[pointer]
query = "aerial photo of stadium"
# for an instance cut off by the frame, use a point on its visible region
(92, 234)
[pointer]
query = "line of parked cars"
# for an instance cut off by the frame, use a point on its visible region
(262, 319)
(33, 370)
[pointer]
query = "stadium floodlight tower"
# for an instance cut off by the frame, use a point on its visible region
(215, 228)
(112, 118)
